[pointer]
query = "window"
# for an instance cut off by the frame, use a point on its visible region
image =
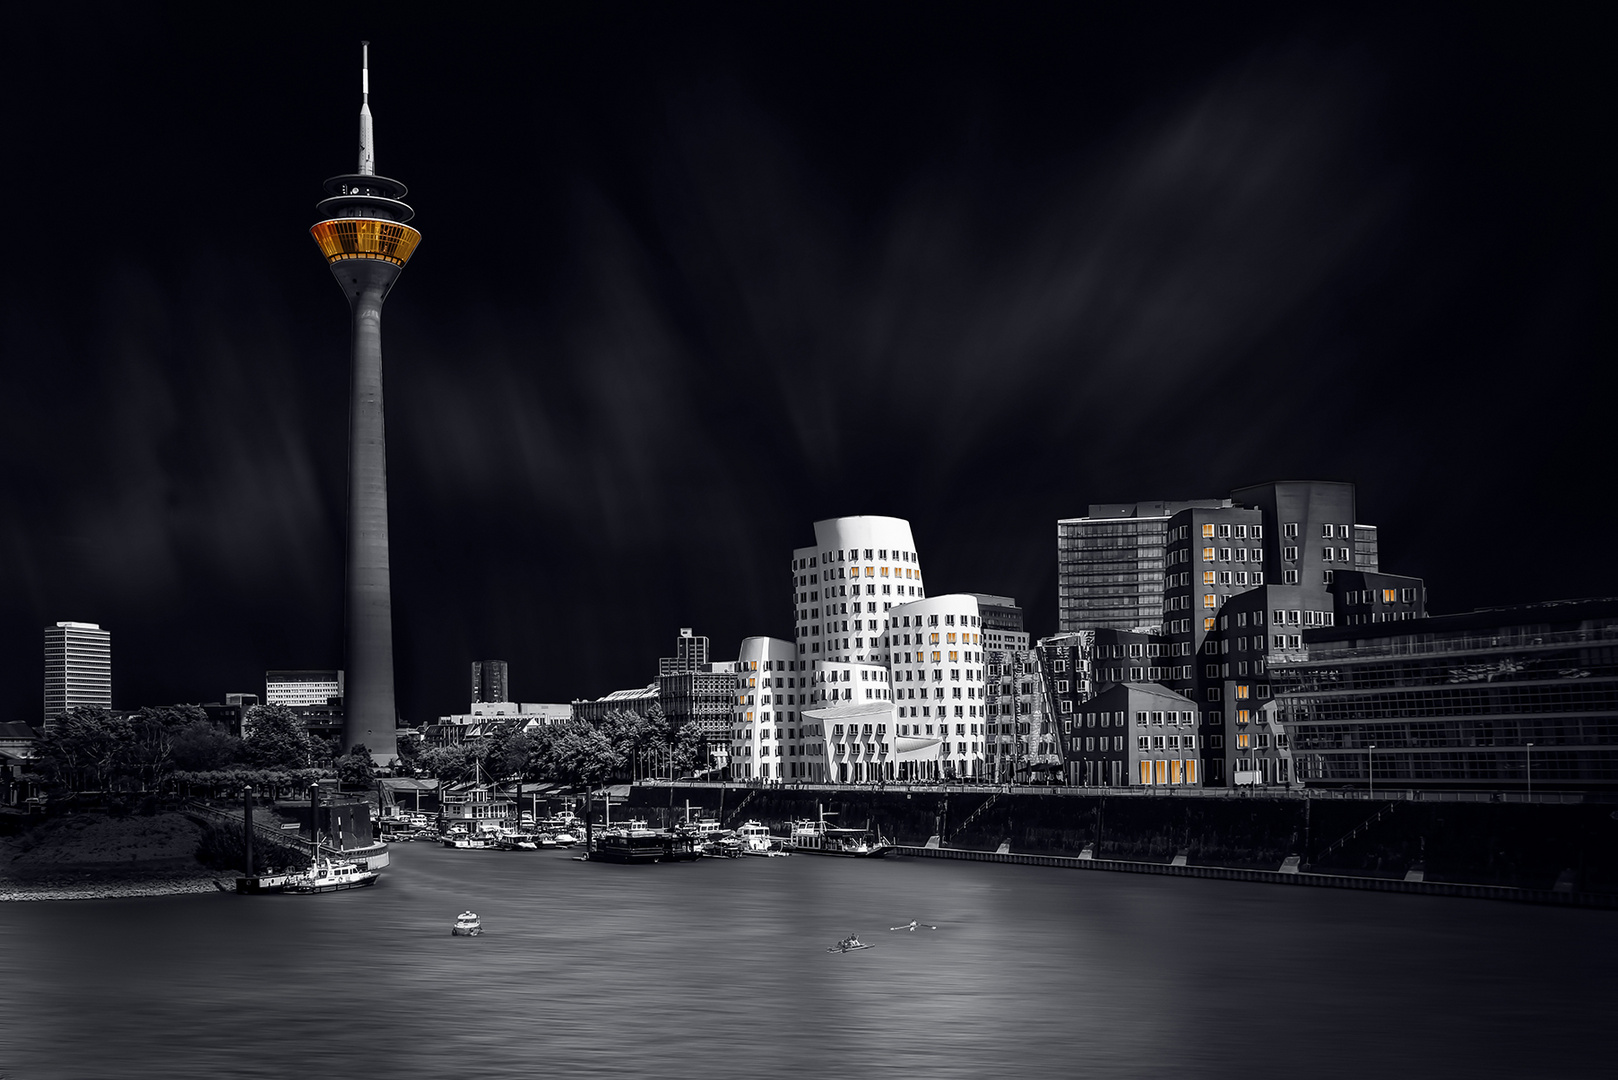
(1327, 531)
(1290, 529)
(1326, 553)
(1145, 743)
(1342, 554)
(1207, 577)
(1289, 577)
(1241, 532)
(1290, 554)
(1224, 577)
(1208, 531)
(1207, 554)
(1390, 595)
(1209, 600)
(1224, 531)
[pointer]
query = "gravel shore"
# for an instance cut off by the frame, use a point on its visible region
(88, 890)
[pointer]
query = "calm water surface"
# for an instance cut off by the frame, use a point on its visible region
(718, 969)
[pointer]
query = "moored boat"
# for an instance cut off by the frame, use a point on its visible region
(328, 875)
(467, 924)
(820, 838)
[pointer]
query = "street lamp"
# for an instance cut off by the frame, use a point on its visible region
(1530, 772)
(1370, 769)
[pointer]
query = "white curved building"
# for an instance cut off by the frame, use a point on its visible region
(859, 568)
(769, 738)
(938, 686)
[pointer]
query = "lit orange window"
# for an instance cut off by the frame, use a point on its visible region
(1209, 601)
(935, 656)
(1389, 595)
(951, 638)
(1162, 772)
(749, 718)
(1241, 692)
(1176, 772)
(1241, 740)
(934, 641)
(954, 657)
(752, 682)
(1207, 554)
(1243, 715)
(1207, 577)
(1207, 624)
(1146, 772)
(974, 639)
(884, 571)
(1207, 532)
(1191, 771)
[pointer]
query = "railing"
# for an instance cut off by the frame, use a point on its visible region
(1166, 792)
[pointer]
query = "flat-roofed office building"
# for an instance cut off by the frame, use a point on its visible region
(78, 668)
(1499, 699)
(1109, 564)
(302, 687)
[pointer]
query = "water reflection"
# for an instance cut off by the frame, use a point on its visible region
(719, 969)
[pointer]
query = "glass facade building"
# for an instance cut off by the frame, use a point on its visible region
(1499, 699)
(1109, 565)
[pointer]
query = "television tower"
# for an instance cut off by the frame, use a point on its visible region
(367, 243)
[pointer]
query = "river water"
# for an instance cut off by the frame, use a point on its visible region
(719, 969)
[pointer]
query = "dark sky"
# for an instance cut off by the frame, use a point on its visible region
(695, 276)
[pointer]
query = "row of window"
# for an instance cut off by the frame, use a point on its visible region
(826, 558)
(1241, 532)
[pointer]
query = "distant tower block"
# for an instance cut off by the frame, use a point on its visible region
(78, 669)
(490, 681)
(367, 243)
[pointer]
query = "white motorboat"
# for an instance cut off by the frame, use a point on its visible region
(467, 924)
(327, 875)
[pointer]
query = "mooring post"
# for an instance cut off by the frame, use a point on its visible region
(247, 827)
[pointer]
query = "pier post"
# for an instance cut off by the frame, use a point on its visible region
(247, 827)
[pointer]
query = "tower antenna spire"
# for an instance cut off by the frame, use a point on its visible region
(367, 139)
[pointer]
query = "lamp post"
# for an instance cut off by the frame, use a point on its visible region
(1530, 749)
(1370, 769)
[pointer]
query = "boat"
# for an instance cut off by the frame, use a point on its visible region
(465, 840)
(819, 838)
(849, 944)
(722, 847)
(329, 875)
(255, 884)
(516, 840)
(755, 839)
(637, 844)
(467, 924)
(478, 814)
(564, 839)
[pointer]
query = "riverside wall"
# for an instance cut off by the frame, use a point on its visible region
(1518, 846)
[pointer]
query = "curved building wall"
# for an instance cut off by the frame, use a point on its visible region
(769, 738)
(938, 685)
(859, 568)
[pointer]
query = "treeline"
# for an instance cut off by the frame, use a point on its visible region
(177, 747)
(572, 752)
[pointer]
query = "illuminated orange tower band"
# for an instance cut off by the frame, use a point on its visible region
(367, 243)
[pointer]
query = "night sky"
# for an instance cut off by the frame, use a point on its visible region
(693, 276)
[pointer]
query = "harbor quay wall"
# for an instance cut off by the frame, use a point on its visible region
(1523, 846)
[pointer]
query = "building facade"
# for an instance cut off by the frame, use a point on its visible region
(1506, 699)
(78, 668)
(690, 654)
(303, 687)
(858, 569)
(1109, 564)
(771, 737)
(491, 680)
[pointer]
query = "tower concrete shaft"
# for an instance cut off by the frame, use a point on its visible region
(367, 243)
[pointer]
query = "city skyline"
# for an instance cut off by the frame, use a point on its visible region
(769, 275)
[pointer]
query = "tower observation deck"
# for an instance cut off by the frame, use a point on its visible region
(364, 236)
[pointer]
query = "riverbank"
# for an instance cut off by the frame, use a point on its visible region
(96, 856)
(1504, 846)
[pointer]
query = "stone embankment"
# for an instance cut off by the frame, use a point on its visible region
(94, 856)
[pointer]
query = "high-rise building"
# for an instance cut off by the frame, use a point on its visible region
(298, 688)
(690, 654)
(366, 243)
(490, 681)
(1109, 564)
(78, 668)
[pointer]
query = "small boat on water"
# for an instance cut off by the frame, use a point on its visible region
(516, 840)
(327, 875)
(849, 944)
(564, 839)
(755, 839)
(467, 924)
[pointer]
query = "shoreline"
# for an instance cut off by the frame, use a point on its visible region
(22, 892)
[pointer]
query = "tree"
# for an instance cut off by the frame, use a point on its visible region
(276, 738)
(356, 768)
(198, 747)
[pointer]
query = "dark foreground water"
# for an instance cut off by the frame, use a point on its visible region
(719, 969)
